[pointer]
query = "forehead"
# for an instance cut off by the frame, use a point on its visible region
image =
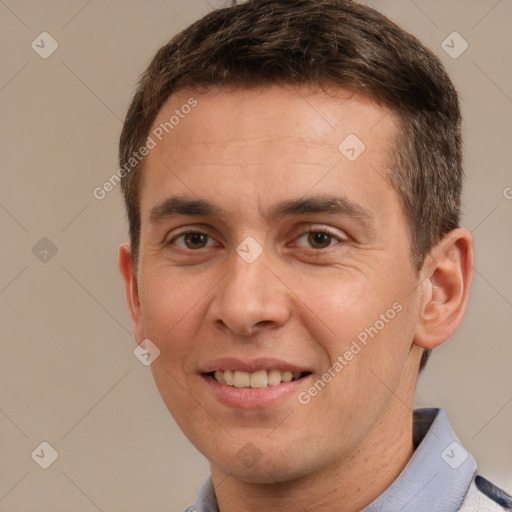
(266, 141)
(307, 113)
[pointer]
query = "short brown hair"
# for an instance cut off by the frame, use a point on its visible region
(319, 42)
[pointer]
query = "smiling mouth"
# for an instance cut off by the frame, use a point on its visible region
(255, 380)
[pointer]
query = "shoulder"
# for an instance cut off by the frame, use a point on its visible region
(484, 496)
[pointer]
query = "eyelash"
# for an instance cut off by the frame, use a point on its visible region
(302, 234)
(323, 231)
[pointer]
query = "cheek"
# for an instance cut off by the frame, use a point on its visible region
(367, 322)
(341, 306)
(170, 306)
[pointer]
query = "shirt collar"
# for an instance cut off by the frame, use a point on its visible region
(439, 473)
(437, 476)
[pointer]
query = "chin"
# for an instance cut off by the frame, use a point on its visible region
(261, 468)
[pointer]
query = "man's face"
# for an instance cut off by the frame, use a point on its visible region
(268, 248)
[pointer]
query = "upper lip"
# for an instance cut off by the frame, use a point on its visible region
(250, 365)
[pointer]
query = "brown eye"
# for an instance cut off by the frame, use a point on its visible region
(319, 240)
(195, 240)
(191, 240)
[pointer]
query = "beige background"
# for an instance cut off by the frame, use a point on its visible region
(67, 370)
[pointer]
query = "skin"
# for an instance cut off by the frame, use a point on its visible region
(299, 301)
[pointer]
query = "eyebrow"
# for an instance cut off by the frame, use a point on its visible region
(336, 205)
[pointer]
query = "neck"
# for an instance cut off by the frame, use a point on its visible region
(348, 486)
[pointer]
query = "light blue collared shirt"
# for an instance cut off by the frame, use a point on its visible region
(436, 479)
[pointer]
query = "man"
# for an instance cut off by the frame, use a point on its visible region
(292, 176)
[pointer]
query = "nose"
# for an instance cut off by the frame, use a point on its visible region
(250, 298)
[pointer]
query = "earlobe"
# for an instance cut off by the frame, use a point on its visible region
(126, 268)
(448, 272)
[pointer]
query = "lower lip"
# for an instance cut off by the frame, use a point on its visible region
(251, 398)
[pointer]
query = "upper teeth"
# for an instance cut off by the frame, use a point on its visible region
(259, 379)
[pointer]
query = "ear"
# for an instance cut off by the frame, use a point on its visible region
(446, 281)
(127, 270)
